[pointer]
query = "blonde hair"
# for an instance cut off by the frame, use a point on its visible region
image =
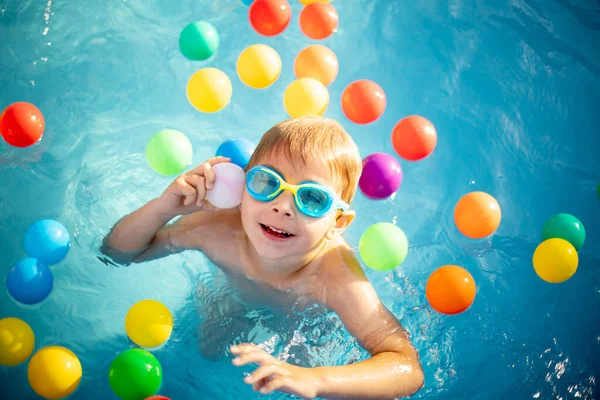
(315, 140)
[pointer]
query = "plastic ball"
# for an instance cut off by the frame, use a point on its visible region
(21, 124)
(209, 90)
(567, 227)
(54, 372)
(307, 2)
(29, 282)
(363, 101)
(16, 341)
(381, 176)
(414, 138)
(319, 20)
(317, 62)
(450, 289)
(555, 260)
(383, 246)
(135, 374)
(259, 66)
(270, 17)
(169, 152)
(157, 398)
(199, 41)
(148, 323)
(247, 2)
(477, 215)
(48, 241)
(305, 97)
(229, 185)
(238, 150)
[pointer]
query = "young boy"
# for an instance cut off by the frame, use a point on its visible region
(284, 238)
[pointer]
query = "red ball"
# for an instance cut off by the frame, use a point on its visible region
(21, 124)
(363, 101)
(319, 20)
(270, 17)
(157, 397)
(414, 138)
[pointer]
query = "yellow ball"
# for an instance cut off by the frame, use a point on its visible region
(54, 372)
(555, 260)
(259, 66)
(305, 96)
(307, 2)
(16, 341)
(209, 90)
(149, 323)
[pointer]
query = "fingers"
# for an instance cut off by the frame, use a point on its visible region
(277, 384)
(199, 185)
(211, 161)
(209, 175)
(245, 348)
(266, 371)
(187, 190)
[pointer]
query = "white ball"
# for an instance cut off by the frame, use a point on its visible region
(228, 189)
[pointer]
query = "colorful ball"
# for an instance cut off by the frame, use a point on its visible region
(238, 150)
(555, 260)
(363, 101)
(414, 138)
(135, 374)
(246, 3)
(169, 152)
(198, 41)
(229, 185)
(16, 341)
(319, 20)
(567, 227)
(305, 97)
(450, 289)
(48, 241)
(209, 90)
(383, 246)
(270, 17)
(381, 176)
(259, 66)
(29, 282)
(21, 124)
(157, 398)
(477, 215)
(148, 323)
(307, 2)
(54, 372)
(317, 62)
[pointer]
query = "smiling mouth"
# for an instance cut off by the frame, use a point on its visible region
(276, 232)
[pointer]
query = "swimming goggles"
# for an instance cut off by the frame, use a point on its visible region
(313, 199)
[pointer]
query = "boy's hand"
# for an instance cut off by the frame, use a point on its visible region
(274, 374)
(187, 193)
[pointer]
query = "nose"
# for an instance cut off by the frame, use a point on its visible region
(284, 204)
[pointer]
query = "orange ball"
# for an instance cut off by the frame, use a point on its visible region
(269, 17)
(21, 124)
(477, 215)
(414, 138)
(317, 62)
(319, 20)
(450, 289)
(363, 101)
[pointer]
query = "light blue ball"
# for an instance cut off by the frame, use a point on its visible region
(29, 281)
(239, 150)
(48, 241)
(247, 2)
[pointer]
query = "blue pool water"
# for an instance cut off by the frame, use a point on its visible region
(512, 88)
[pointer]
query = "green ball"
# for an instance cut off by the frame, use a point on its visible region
(135, 374)
(168, 152)
(198, 41)
(564, 226)
(383, 246)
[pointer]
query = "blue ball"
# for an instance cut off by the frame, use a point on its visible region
(239, 150)
(29, 281)
(247, 2)
(48, 241)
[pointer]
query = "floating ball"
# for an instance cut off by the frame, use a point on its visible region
(565, 226)
(383, 246)
(29, 282)
(198, 41)
(54, 372)
(169, 152)
(307, 2)
(450, 289)
(238, 150)
(477, 215)
(305, 97)
(319, 20)
(228, 189)
(414, 138)
(16, 341)
(246, 3)
(48, 241)
(21, 124)
(270, 17)
(157, 398)
(555, 260)
(209, 90)
(148, 323)
(363, 101)
(317, 62)
(258, 66)
(135, 374)
(381, 176)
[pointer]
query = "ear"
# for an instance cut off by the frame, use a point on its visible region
(341, 223)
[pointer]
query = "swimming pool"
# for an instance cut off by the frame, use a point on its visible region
(511, 88)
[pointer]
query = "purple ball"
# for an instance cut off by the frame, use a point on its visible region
(381, 176)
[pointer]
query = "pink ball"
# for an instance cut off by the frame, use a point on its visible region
(229, 186)
(381, 176)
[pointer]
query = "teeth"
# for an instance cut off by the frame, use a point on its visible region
(278, 231)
